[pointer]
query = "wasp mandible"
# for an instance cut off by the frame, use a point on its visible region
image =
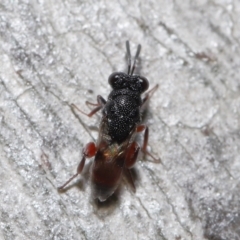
(116, 150)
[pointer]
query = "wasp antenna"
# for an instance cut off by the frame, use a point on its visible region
(135, 59)
(128, 56)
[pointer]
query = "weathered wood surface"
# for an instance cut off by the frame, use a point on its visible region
(54, 53)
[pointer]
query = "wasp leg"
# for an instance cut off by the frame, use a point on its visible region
(147, 97)
(101, 102)
(132, 154)
(141, 128)
(88, 152)
(128, 175)
(131, 158)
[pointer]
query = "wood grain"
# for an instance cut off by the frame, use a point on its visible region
(54, 53)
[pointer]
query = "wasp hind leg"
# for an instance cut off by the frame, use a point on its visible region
(129, 177)
(88, 152)
(131, 158)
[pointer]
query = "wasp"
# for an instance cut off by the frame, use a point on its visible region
(116, 149)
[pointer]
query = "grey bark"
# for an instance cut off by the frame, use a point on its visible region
(54, 53)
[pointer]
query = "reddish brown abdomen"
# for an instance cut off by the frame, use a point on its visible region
(106, 175)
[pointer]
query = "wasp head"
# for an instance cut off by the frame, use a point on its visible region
(120, 80)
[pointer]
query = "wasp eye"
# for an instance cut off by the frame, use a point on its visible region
(144, 83)
(116, 80)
